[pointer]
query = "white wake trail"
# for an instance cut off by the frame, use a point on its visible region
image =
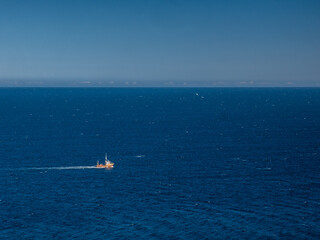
(62, 168)
(48, 168)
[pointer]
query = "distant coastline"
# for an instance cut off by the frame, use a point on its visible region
(11, 83)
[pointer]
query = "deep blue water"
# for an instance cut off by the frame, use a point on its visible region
(189, 163)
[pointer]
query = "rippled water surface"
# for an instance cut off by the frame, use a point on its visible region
(189, 163)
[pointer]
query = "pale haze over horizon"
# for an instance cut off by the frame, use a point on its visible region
(154, 42)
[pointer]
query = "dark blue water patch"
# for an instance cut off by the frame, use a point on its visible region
(189, 163)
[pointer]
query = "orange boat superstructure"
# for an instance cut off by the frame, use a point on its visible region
(107, 164)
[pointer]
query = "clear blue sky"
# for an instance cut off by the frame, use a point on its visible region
(156, 40)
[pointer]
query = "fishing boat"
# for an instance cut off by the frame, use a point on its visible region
(107, 163)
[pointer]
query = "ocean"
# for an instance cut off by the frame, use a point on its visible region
(190, 163)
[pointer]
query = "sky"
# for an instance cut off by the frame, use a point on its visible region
(158, 41)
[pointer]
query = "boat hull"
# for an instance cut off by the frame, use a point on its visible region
(105, 166)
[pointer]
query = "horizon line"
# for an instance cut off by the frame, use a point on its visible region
(107, 83)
